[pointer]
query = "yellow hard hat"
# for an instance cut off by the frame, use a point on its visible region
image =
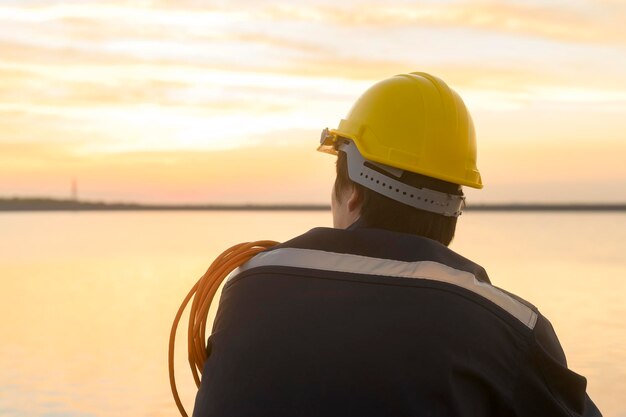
(413, 122)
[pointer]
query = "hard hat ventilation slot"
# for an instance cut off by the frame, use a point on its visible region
(370, 175)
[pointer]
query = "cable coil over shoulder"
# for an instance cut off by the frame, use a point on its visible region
(203, 293)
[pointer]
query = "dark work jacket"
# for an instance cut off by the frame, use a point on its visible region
(367, 322)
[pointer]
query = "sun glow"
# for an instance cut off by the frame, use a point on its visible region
(170, 79)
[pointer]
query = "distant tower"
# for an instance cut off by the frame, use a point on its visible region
(74, 190)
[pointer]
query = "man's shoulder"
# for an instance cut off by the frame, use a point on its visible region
(382, 257)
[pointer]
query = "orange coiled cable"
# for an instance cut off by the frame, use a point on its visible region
(203, 292)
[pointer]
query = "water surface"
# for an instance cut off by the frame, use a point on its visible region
(88, 299)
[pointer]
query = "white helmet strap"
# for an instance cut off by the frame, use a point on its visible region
(421, 198)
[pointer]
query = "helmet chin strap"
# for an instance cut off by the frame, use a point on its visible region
(421, 198)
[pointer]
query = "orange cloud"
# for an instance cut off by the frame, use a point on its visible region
(557, 22)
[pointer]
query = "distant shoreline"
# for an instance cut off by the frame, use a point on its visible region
(49, 204)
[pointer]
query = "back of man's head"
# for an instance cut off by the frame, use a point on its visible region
(382, 212)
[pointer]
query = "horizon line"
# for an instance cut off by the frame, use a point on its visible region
(13, 204)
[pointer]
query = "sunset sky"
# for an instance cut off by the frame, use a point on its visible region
(223, 101)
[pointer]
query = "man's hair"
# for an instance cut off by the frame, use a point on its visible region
(384, 213)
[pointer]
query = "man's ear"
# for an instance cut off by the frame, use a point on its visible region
(355, 201)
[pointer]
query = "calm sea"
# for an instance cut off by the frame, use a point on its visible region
(87, 299)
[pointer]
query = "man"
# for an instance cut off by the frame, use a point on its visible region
(377, 317)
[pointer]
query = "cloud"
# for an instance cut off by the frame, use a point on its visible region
(354, 40)
(253, 22)
(22, 85)
(557, 22)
